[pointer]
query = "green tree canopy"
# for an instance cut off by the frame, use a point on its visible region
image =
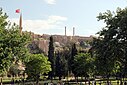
(111, 45)
(84, 65)
(38, 65)
(61, 66)
(73, 53)
(51, 57)
(12, 44)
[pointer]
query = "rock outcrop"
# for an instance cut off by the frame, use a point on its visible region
(42, 41)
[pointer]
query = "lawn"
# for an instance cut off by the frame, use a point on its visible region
(56, 81)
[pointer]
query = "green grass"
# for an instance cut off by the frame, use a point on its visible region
(103, 81)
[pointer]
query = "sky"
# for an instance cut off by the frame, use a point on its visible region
(51, 16)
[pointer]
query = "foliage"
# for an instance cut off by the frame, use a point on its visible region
(58, 69)
(73, 53)
(51, 57)
(61, 65)
(111, 46)
(66, 57)
(84, 65)
(12, 44)
(104, 61)
(37, 65)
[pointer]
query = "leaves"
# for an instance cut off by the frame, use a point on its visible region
(83, 64)
(51, 57)
(12, 44)
(37, 65)
(111, 45)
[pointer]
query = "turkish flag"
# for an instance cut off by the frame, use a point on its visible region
(17, 11)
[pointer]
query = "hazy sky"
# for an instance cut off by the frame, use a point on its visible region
(51, 16)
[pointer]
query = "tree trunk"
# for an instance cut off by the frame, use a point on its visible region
(37, 80)
(77, 80)
(108, 80)
(89, 82)
(60, 77)
(121, 82)
(85, 80)
(1, 82)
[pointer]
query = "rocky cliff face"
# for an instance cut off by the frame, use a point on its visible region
(42, 41)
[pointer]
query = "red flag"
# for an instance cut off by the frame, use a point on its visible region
(17, 11)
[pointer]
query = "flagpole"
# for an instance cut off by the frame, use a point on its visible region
(20, 20)
(20, 23)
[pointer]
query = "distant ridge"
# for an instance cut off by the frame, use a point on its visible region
(42, 41)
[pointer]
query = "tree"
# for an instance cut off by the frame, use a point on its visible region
(111, 45)
(51, 57)
(66, 53)
(18, 44)
(58, 68)
(84, 65)
(12, 44)
(38, 65)
(3, 24)
(73, 53)
(61, 65)
(104, 61)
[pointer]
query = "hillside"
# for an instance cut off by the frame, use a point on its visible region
(41, 42)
